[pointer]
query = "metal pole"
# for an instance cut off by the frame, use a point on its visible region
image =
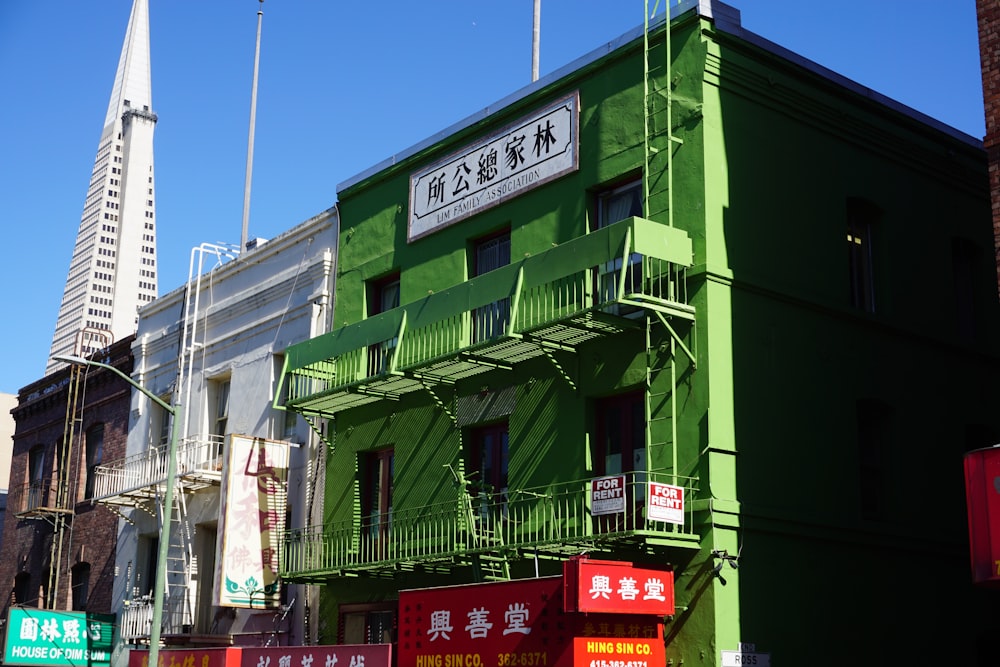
(159, 585)
(536, 29)
(253, 122)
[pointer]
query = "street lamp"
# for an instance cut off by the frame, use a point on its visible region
(168, 500)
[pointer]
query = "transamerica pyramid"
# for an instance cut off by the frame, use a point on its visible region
(113, 270)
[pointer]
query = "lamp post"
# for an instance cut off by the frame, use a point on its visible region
(168, 501)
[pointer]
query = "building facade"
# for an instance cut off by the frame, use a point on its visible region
(213, 350)
(58, 548)
(616, 315)
(113, 269)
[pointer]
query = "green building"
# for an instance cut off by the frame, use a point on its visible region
(724, 310)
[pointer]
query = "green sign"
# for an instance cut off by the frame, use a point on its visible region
(46, 637)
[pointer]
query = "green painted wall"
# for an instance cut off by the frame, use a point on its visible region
(769, 418)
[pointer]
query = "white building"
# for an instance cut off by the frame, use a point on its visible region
(113, 269)
(213, 350)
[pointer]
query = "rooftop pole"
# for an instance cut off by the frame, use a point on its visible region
(536, 29)
(253, 122)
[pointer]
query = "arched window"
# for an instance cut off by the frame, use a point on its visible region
(81, 586)
(22, 586)
(95, 453)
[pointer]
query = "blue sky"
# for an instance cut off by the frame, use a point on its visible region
(343, 85)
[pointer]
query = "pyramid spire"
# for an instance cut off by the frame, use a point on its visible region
(113, 269)
(132, 79)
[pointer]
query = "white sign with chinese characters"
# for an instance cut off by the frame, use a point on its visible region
(503, 165)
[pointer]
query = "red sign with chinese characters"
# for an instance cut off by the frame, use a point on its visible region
(201, 657)
(617, 587)
(517, 623)
(982, 492)
(345, 655)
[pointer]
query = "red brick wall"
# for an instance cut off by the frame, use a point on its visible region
(988, 12)
(40, 418)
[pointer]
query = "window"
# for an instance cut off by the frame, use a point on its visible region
(614, 206)
(221, 412)
(22, 588)
(965, 272)
(367, 624)
(489, 454)
(383, 295)
(36, 479)
(95, 452)
(874, 420)
(376, 489)
(488, 254)
(860, 217)
(81, 586)
(621, 434)
(287, 421)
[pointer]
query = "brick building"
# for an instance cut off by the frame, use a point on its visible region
(59, 548)
(989, 53)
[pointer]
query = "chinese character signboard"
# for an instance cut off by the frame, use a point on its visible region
(496, 625)
(253, 515)
(44, 637)
(607, 495)
(518, 623)
(617, 587)
(533, 151)
(201, 657)
(665, 503)
(982, 492)
(346, 655)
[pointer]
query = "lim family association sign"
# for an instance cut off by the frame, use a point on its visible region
(46, 637)
(530, 152)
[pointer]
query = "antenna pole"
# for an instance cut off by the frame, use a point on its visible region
(253, 122)
(536, 29)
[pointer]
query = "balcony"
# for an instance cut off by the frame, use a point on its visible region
(140, 477)
(552, 521)
(39, 499)
(558, 299)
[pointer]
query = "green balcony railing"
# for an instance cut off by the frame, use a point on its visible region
(633, 264)
(554, 519)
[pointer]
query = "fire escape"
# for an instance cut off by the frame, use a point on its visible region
(138, 482)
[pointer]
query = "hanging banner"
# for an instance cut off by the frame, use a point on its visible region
(254, 503)
(532, 151)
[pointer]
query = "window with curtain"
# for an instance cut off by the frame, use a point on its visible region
(613, 206)
(488, 254)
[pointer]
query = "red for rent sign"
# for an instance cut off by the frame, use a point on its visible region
(665, 503)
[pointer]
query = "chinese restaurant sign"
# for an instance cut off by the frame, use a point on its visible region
(617, 587)
(516, 623)
(531, 152)
(665, 503)
(345, 655)
(254, 501)
(44, 637)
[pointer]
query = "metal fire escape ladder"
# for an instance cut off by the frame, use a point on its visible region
(178, 615)
(658, 204)
(62, 516)
(659, 144)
